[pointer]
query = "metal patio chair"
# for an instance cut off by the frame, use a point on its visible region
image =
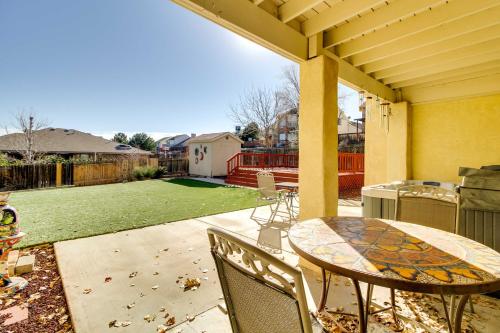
(262, 293)
(272, 196)
(440, 212)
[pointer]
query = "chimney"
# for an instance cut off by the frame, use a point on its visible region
(193, 135)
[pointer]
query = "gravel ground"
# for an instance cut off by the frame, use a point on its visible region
(44, 297)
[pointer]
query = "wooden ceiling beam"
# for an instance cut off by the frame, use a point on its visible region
(473, 75)
(481, 86)
(454, 43)
(336, 14)
(441, 59)
(464, 71)
(379, 18)
(438, 34)
(294, 8)
(451, 11)
(452, 65)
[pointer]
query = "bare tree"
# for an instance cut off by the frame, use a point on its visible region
(260, 106)
(290, 91)
(28, 124)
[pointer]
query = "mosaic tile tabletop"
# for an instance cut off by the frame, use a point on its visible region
(398, 254)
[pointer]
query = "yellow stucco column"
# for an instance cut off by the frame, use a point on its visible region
(318, 174)
(388, 151)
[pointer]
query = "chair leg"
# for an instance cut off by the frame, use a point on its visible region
(273, 212)
(471, 305)
(288, 210)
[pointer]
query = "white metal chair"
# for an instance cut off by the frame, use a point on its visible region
(263, 294)
(272, 196)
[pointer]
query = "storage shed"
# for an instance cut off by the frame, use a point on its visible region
(208, 153)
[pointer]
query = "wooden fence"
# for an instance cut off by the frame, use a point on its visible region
(176, 166)
(22, 177)
(106, 173)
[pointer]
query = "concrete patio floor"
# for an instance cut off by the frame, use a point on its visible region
(163, 257)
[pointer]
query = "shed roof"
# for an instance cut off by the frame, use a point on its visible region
(66, 141)
(211, 137)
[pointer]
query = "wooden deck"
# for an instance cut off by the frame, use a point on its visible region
(242, 169)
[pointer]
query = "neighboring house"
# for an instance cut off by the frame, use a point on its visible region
(208, 153)
(69, 143)
(346, 125)
(173, 145)
(286, 130)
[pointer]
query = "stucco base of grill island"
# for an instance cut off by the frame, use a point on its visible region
(9, 236)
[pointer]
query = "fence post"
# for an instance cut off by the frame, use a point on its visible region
(58, 174)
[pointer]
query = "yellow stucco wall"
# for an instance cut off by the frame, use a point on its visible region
(451, 134)
(431, 141)
(388, 153)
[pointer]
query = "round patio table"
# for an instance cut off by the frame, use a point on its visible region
(397, 255)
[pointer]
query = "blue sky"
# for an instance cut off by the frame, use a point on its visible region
(126, 65)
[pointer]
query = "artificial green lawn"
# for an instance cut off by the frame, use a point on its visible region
(67, 213)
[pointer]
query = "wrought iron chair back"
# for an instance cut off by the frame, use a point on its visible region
(262, 293)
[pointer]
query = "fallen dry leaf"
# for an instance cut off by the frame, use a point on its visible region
(190, 284)
(112, 323)
(63, 319)
(87, 291)
(133, 274)
(170, 321)
(107, 279)
(130, 306)
(155, 287)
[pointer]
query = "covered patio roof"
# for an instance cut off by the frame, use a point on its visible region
(417, 51)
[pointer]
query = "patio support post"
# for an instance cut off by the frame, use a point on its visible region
(318, 174)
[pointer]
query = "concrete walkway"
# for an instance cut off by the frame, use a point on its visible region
(133, 279)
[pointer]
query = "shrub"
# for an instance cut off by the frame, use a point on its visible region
(4, 161)
(145, 172)
(160, 172)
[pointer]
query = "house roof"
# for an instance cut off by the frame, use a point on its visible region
(211, 137)
(66, 141)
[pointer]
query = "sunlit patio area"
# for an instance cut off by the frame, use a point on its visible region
(136, 280)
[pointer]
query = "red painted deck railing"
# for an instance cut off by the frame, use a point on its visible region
(347, 162)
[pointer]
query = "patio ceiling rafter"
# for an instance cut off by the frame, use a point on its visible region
(455, 43)
(379, 18)
(432, 36)
(441, 59)
(337, 14)
(479, 86)
(448, 12)
(294, 8)
(452, 65)
(448, 75)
